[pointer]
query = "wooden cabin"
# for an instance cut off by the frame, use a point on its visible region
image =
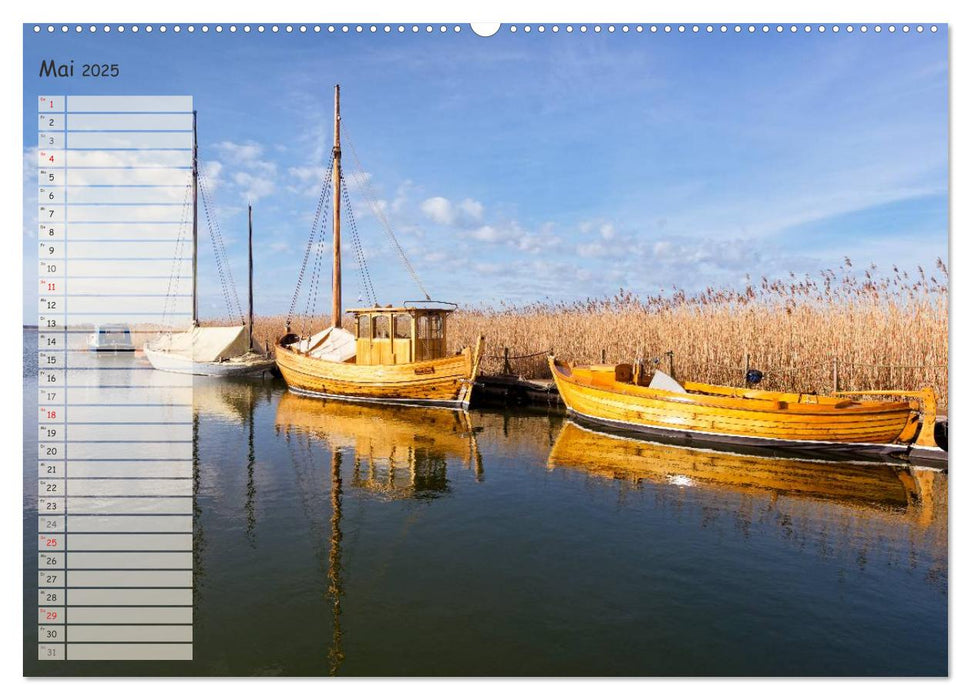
(399, 335)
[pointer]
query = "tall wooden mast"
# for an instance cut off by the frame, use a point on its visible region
(336, 313)
(195, 223)
(250, 324)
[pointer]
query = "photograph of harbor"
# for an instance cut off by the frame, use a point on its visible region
(572, 350)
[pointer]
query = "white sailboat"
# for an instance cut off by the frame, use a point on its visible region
(221, 351)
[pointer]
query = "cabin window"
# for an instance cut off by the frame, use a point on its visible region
(382, 326)
(437, 327)
(430, 327)
(402, 326)
(364, 327)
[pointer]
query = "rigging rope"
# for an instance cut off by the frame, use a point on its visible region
(175, 275)
(230, 295)
(368, 286)
(311, 307)
(322, 208)
(379, 213)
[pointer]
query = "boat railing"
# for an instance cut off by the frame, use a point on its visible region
(430, 305)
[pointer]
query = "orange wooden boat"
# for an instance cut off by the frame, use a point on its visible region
(837, 426)
(395, 355)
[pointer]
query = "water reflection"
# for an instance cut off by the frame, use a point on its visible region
(335, 582)
(855, 504)
(365, 540)
(399, 451)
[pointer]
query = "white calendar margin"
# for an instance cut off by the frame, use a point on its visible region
(509, 11)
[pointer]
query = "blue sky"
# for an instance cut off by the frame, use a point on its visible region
(525, 166)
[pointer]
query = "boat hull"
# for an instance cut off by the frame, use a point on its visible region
(828, 431)
(443, 382)
(171, 362)
(749, 445)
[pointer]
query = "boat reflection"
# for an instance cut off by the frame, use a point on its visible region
(398, 451)
(230, 400)
(881, 487)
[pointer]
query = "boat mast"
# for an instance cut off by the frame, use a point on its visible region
(336, 314)
(250, 325)
(195, 222)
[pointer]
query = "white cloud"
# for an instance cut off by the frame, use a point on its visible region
(442, 211)
(239, 153)
(306, 179)
(514, 236)
(357, 180)
(252, 176)
(591, 250)
(488, 234)
(472, 209)
(439, 210)
(211, 170)
(487, 268)
(401, 196)
(254, 187)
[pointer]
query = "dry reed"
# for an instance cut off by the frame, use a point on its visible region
(882, 332)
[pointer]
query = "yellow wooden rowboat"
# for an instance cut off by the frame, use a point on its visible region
(396, 354)
(837, 426)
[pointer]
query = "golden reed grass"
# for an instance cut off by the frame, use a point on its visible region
(882, 331)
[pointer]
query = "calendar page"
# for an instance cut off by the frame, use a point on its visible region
(493, 350)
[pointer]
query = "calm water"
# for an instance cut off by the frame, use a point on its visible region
(334, 539)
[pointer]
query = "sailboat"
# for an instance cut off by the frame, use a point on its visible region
(396, 354)
(224, 351)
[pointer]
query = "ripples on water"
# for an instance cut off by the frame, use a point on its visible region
(341, 539)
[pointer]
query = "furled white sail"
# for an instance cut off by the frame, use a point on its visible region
(332, 344)
(203, 344)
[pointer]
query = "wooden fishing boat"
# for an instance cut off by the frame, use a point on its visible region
(215, 351)
(395, 354)
(838, 426)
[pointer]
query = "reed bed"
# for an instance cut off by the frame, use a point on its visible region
(882, 332)
(885, 331)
